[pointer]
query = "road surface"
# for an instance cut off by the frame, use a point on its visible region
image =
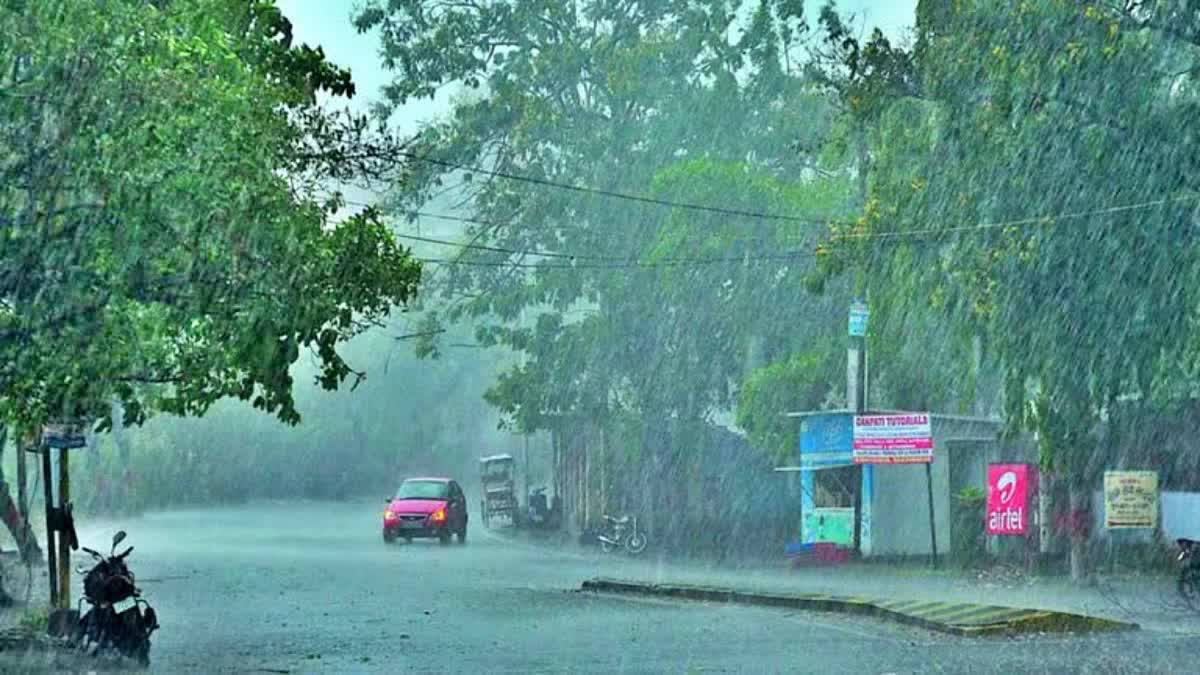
(312, 588)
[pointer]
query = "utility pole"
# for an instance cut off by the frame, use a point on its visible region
(64, 538)
(60, 528)
(856, 400)
(51, 549)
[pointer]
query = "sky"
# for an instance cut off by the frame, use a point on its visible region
(327, 23)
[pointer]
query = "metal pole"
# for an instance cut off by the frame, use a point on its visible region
(932, 526)
(51, 554)
(858, 403)
(64, 546)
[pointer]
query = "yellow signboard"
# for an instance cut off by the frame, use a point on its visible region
(1130, 499)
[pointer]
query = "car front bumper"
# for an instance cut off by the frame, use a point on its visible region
(423, 530)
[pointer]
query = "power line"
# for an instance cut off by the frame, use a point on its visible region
(616, 262)
(622, 263)
(914, 233)
(607, 258)
(608, 263)
(497, 224)
(477, 221)
(787, 255)
(610, 193)
(468, 246)
(1021, 222)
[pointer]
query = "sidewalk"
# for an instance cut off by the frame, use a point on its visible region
(1149, 601)
(965, 619)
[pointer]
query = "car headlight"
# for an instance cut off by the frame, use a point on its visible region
(388, 515)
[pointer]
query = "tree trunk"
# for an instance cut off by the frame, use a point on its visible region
(22, 479)
(555, 465)
(1078, 527)
(11, 513)
(1046, 510)
(603, 503)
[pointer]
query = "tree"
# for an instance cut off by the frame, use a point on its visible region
(697, 101)
(604, 110)
(801, 382)
(411, 416)
(164, 238)
(1062, 232)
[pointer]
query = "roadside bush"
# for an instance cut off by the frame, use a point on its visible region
(969, 538)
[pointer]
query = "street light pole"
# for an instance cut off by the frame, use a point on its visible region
(856, 400)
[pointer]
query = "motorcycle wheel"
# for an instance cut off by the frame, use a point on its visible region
(636, 543)
(88, 632)
(95, 628)
(141, 654)
(133, 637)
(605, 546)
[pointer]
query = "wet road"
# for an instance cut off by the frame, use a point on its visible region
(312, 588)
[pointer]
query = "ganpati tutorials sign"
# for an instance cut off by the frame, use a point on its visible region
(893, 439)
(1010, 487)
(1130, 499)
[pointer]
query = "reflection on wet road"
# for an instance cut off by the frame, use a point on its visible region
(312, 588)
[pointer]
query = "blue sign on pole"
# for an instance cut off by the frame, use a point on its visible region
(63, 437)
(858, 319)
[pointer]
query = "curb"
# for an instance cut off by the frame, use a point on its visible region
(962, 619)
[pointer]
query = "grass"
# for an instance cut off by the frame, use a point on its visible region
(35, 620)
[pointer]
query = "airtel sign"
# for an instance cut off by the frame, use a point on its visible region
(1009, 489)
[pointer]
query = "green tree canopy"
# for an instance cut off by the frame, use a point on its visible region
(697, 101)
(163, 235)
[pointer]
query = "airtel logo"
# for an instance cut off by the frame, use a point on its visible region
(1007, 485)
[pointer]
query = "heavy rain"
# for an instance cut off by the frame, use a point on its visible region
(614, 336)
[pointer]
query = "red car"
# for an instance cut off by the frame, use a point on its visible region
(426, 508)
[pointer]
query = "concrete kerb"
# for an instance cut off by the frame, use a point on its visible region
(963, 619)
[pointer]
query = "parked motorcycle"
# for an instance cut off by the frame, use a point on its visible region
(621, 533)
(1189, 571)
(119, 619)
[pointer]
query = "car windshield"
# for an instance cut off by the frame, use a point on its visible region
(422, 489)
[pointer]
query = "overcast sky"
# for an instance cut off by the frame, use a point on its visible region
(327, 23)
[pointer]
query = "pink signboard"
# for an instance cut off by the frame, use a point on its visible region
(1010, 487)
(893, 439)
